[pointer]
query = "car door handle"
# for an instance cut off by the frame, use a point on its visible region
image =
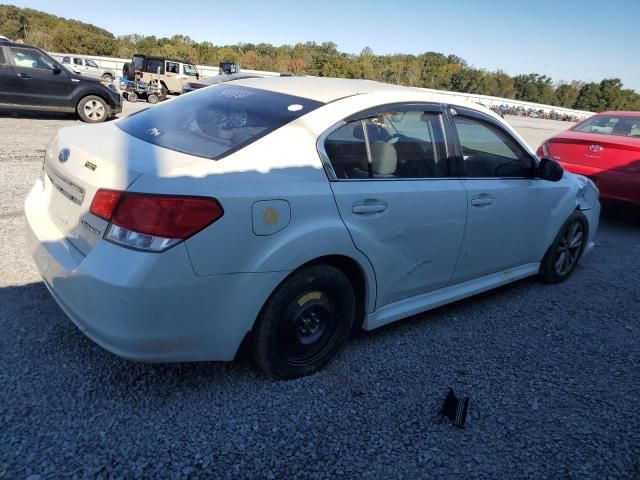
(24, 75)
(368, 208)
(482, 200)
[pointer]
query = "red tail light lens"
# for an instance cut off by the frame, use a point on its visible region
(104, 201)
(166, 216)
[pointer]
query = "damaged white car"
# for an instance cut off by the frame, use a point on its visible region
(285, 212)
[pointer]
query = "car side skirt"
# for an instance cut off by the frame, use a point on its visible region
(428, 301)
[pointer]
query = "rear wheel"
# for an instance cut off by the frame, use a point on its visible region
(108, 77)
(132, 97)
(563, 255)
(305, 323)
(152, 99)
(93, 109)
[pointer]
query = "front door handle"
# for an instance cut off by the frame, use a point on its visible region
(24, 75)
(368, 208)
(482, 200)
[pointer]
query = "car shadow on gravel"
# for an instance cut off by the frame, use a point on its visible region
(38, 328)
(617, 214)
(34, 115)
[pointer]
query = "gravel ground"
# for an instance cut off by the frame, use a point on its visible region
(552, 372)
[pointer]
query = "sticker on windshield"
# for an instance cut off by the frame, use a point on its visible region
(296, 107)
(154, 132)
(233, 93)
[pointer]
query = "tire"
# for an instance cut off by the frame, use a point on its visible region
(132, 97)
(152, 99)
(93, 109)
(305, 323)
(108, 77)
(564, 253)
(129, 71)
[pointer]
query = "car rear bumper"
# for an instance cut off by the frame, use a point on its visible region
(144, 306)
(613, 184)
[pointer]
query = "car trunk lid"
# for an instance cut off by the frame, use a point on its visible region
(82, 160)
(599, 151)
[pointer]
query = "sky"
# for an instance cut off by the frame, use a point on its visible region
(567, 40)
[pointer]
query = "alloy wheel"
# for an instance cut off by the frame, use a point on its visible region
(569, 248)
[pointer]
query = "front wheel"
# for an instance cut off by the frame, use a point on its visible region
(563, 255)
(93, 109)
(305, 323)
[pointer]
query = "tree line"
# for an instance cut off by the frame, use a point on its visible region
(428, 70)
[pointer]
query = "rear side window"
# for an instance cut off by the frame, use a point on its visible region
(153, 64)
(2, 60)
(216, 121)
(77, 61)
(399, 144)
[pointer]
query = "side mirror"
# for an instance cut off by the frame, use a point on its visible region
(197, 76)
(550, 170)
(56, 70)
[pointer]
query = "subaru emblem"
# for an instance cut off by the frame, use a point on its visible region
(63, 156)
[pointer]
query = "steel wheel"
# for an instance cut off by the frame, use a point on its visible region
(94, 110)
(569, 248)
(305, 322)
(307, 329)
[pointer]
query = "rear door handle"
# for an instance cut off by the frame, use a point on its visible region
(24, 75)
(482, 200)
(368, 208)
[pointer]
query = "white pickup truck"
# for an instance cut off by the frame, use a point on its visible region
(86, 66)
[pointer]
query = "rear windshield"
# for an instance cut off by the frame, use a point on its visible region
(216, 121)
(611, 125)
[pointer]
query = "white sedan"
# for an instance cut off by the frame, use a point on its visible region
(287, 211)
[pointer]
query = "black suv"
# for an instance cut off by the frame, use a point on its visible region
(32, 80)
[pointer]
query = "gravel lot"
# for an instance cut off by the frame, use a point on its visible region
(552, 371)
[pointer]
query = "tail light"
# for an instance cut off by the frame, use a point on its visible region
(545, 150)
(153, 222)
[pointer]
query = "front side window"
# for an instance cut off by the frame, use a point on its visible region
(91, 63)
(611, 125)
(400, 144)
(214, 122)
(487, 151)
(173, 67)
(190, 70)
(29, 58)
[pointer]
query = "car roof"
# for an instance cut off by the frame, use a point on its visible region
(620, 114)
(325, 89)
(228, 78)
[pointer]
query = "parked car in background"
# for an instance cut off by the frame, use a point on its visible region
(605, 148)
(172, 74)
(87, 66)
(31, 80)
(287, 211)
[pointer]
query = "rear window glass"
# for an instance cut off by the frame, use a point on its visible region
(611, 125)
(216, 121)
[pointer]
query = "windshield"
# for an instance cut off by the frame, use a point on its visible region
(611, 125)
(190, 70)
(216, 121)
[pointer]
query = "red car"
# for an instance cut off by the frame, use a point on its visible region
(605, 148)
